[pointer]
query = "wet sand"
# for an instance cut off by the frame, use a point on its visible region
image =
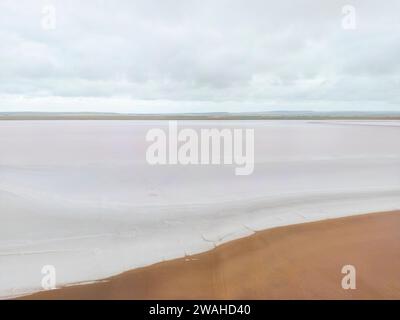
(301, 261)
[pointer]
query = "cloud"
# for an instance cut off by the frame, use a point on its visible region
(199, 56)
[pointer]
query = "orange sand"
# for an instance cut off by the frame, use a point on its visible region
(295, 262)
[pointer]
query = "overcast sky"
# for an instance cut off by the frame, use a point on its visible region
(199, 56)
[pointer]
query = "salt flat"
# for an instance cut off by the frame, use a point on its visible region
(80, 195)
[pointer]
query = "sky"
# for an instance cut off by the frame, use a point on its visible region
(199, 56)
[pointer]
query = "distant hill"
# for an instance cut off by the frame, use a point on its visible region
(270, 115)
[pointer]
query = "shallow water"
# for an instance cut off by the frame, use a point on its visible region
(80, 195)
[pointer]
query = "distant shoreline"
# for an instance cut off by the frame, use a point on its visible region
(201, 116)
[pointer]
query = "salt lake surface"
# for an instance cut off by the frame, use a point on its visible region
(81, 196)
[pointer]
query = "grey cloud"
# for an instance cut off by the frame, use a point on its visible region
(241, 51)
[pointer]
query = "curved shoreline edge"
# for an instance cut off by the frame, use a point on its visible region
(301, 261)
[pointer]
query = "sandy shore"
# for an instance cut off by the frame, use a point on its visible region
(299, 261)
